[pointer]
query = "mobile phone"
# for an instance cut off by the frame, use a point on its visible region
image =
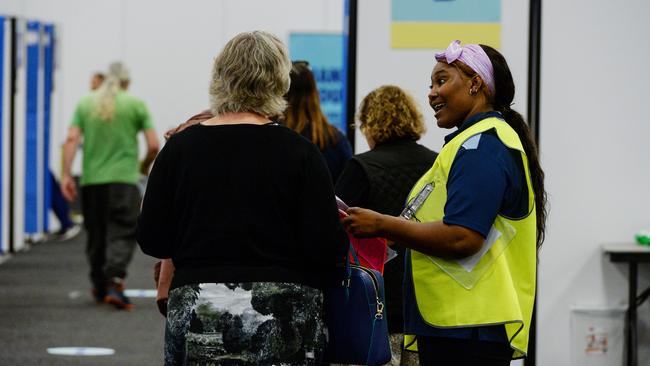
(340, 204)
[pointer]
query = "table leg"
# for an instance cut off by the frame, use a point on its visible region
(632, 359)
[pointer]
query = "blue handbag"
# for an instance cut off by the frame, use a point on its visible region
(353, 303)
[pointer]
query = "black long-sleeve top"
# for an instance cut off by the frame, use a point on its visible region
(242, 203)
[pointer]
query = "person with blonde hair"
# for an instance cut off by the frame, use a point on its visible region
(109, 120)
(381, 179)
(245, 209)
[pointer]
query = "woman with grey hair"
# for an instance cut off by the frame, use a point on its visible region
(245, 209)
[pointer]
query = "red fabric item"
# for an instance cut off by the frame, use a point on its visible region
(370, 251)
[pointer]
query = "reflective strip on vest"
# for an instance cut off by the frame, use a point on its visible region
(495, 286)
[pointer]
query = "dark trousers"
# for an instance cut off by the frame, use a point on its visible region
(59, 204)
(110, 216)
(434, 351)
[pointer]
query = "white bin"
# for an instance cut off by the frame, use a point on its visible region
(597, 336)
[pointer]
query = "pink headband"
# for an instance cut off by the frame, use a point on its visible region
(473, 56)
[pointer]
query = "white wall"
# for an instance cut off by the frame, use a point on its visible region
(594, 127)
(168, 45)
(170, 49)
(598, 183)
(595, 150)
(378, 64)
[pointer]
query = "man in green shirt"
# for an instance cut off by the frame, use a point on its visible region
(109, 121)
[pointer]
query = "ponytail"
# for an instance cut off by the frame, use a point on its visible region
(107, 92)
(516, 121)
(501, 100)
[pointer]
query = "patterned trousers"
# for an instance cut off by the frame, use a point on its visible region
(255, 323)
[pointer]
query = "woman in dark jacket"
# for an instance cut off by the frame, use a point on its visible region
(245, 209)
(381, 178)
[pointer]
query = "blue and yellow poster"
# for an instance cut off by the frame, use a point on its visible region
(435, 23)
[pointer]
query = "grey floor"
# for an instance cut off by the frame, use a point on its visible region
(45, 301)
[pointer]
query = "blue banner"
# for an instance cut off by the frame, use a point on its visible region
(324, 52)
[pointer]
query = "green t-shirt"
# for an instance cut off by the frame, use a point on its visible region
(110, 148)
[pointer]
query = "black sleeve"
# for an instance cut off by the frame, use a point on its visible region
(155, 226)
(353, 186)
(322, 236)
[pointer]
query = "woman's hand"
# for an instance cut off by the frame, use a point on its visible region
(163, 275)
(363, 223)
(432, 238)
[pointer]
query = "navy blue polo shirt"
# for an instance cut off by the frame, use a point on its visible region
(486, 178)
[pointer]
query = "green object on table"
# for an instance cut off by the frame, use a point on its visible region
(643, 238)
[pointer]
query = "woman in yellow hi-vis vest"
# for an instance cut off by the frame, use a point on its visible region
(472, 223)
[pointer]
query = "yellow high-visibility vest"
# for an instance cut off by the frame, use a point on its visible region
(495, 286)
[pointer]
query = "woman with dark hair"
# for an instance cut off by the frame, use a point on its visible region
(472, 223)
(304, 115)
(244, 208)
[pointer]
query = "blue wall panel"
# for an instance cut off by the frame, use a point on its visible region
(3, 246)
(48, 65)
(32, 37)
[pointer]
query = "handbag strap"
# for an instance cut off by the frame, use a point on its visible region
(352, 252)
(348, 271)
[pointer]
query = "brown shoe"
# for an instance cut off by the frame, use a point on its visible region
(115, 296)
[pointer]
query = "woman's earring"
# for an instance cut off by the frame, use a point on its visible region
(472, 91)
